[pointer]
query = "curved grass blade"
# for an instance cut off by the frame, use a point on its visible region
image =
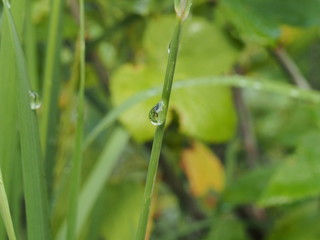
(232, 81)
(97, 178)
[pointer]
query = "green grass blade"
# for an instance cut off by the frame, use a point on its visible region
(156, 147)
(5, 211)
(30, 48)
(97, 178)
(9, 156)
(51, 85)
(34, 182)
(52, 54)
(77, 155)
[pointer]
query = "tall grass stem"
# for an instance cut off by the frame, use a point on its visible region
(158, 137)
(77, 155)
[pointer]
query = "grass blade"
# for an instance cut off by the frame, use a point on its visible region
(98, 177)
(77, 156)
(5, 211)
(34, 182)
(48, 117)
(159, 113)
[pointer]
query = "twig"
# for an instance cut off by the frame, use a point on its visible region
(245, 124)
(245, 128)
(290, 67)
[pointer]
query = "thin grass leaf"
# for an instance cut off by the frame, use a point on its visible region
(77, 155)
(50, 69)
(30, 48)
(9, 156)
(34, 182)
(98, 178)
(158, 117)
(48, 117)
(5, 211)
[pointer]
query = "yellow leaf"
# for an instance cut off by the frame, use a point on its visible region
(203, 169)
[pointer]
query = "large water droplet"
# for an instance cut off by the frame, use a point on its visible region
(35, 102)
(156, 114)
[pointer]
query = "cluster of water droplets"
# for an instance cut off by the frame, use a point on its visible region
(156, 114)
(35, 102)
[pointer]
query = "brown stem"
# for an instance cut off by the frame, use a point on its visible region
(290, 67)
(245, 128)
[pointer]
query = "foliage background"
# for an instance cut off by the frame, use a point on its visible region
(237, 163)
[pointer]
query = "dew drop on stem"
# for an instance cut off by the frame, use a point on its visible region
(156, 114)
(35, 102)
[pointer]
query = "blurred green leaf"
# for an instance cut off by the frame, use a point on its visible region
(227, 228)
(205, 112)
(260, 20)
(122, 213)
(298, 176)
(248, 188)
(301, 223)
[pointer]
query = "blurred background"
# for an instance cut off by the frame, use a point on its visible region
(236, 163)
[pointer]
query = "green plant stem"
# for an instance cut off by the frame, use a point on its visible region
(158, 137)
(77, 155)
(5, 211)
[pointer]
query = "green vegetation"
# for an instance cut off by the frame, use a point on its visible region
(149, 119)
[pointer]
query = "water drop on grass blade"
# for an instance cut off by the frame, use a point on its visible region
(156, 114)
(35, 102)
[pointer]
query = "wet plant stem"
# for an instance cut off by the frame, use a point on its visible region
(158, 137)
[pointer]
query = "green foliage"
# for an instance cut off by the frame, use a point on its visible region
(233, 90)
(221, 229)
(122, 197)
(297, 176)
(197, 111)
(260, 21)
(290, 225)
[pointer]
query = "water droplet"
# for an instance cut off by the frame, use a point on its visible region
(35, 102)
(156, 114)
(169, 47)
